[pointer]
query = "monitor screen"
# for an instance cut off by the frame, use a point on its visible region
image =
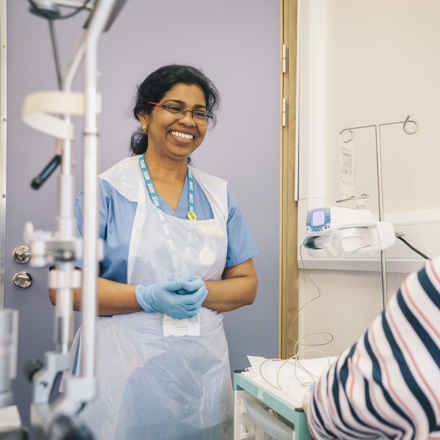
(318, 218)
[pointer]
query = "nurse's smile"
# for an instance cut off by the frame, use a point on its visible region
(177, 125)
(182, 137)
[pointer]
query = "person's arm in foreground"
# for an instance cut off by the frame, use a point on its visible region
(388, 383)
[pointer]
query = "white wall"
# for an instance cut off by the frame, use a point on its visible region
(381, 63)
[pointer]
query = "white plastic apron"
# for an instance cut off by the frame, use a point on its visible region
(151, 386)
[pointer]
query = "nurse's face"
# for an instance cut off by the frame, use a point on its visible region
(172, 133)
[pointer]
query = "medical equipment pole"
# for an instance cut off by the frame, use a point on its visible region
(64, 278)
(66, 222)
(383, 263)
(63, 247)
(349, 131)
(79, 389)
(90, 269)
(405, 126)
(378, 140)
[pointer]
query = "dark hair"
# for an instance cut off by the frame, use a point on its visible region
(157, 84)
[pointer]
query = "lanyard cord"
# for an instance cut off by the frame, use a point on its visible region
(154, 196)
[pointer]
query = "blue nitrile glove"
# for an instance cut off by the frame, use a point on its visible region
(190, 284)
(163, 298)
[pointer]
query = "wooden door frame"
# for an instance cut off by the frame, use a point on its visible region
(288, 267)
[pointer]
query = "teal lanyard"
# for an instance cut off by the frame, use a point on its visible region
(191, 214)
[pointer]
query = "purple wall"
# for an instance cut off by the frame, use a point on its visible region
(236, 43)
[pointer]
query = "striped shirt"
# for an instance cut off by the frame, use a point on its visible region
(388, 383)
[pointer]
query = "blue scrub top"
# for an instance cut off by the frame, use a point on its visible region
(116, 215)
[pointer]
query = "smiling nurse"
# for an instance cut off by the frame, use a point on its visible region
(177, 253)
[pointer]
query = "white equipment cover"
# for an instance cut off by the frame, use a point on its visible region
(39, 108)
(152, 386)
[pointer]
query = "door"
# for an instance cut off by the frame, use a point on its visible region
(237, 45)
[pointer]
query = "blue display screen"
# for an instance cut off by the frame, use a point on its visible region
(318, 218)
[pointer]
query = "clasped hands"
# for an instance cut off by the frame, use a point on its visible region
(181, 298)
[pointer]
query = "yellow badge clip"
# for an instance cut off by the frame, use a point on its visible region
(191, 215)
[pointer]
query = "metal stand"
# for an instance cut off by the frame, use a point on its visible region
(409, 127)
(62, 248)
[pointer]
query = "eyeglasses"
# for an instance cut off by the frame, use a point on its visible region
(178, 108)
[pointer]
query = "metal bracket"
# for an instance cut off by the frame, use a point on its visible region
(284, 59)
(284, 113)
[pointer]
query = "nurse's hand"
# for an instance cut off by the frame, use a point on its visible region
(190, 284)
(163, 298)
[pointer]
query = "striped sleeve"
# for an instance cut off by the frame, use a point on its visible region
(388, 383)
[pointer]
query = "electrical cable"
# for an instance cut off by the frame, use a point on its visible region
(297, 349)
(318, 295)
(55, 53)
(413, 248)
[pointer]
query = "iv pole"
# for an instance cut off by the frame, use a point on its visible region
(409, 127)
(62, 247)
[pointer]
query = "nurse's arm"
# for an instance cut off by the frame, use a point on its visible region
(237, 288)
(113, 298)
